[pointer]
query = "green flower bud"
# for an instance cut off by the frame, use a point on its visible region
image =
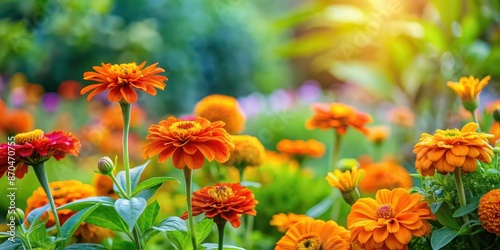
(106, 166)
(351, 196)
(470, 105)
(496, 149)
(16, 214)
(347, 164)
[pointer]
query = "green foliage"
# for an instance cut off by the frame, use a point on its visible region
(72, 224)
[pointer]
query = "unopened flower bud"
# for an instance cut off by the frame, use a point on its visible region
(496, 149)
(16, 214)
(105, 165)
(347, 164)
(470, 105)
(351, 196)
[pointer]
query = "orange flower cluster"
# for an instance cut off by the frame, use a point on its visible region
(65, 192)
(222, 108)
(390, 221)
(310, 147)
(189, 142)
(122, 81)
(449, 149)
(339, 117)
(284, 221)
(228, 201)
(386, 174)
(489, 205)
(36, 147)
(315, 234)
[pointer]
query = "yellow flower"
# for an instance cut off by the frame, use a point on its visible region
(222, 108)
(377, 134)
(468, 89)
(248, 151)
(449, 149)
(345, 181)
(489, 205)
(284, 221)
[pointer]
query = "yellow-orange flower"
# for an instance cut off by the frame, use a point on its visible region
(339, 117)
(65, 192)
(228, 201)
(247, 151)
(469, 88)
(449, 149)
(103, 185)
(402, 116)
(489, 205)
(122, 80)
(315, 235)
(386, 174)
(284, 221)
(222, 108)
(189, 142)
(112, 117)
(495, 131)
(345, 181)
(389, 221)
(310, 147)
(378, 134)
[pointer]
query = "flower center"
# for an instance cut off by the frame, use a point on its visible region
(185, 126)
(452, 133)
(309, 242)
(384, 211)
(221, 193)
(124, 68)
(31, 136)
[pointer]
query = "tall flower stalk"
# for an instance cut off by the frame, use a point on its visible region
(188, 173)
(41, 175)
(126, 127)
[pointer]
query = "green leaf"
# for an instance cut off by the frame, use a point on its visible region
(121, 244)
(466, 209)
(107, 217)
(85, 246)
(9, 245)
(180, 240)
(36, 213)
(135, 176)
(148, 192)
(88, 202)
(148, 217)
(445, 217)
(72, 224)
(155, 181)
(442, 237)
(320, 208)
(251, 184)
(203, 229)
(213, 246)
(172, 223)
(130, 210)
(435, 206)
(37, 232)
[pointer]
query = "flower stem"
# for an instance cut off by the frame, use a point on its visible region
(126, 126)
(249, 231)
(44, 182)
(474, 119)
(460, 189)
(120, 189)
(137, 238)
(188, 176)
(336, 150)
(220, 230)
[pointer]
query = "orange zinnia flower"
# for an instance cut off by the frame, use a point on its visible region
(339, 117)
(315, 234)
(222, 108)
(123, 79)
(489, 205)
(495, 131)
(299, 147)
(189, 142)
(390, 221)
(284, 221)
(469, 88)
(377, 134)
(449, 149)
(65, 192)
(16, 121)
(386, 174)
(36, 147)
(228, 201)
(247, 151)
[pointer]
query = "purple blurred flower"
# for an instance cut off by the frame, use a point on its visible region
(51, 102)
(252, 104)
(18, 97)
(309, 92)
(280, 100)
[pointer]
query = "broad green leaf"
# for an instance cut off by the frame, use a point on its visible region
(36, 213)
(203, 229)
(85, 246)
(442, 237)
(466, 209)
(121, 244)
(445, 217)
(151, 183)
(148, 217)
(107, 217)
(135, 176)
(213, 246)
(180, 240)
(130, 210)
(88, 202)
(37, 232)
(72, 224)
(435, 206)
(148, 192)
(172, 223)
(320, 208)
(9, 245)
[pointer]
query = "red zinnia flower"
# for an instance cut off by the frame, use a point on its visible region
(36, 147)
(224, 200)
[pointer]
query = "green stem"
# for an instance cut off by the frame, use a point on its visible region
(336, 150)
(188, 178)
(220, 230)
(460, 190)
(249, 231)
(474, 119)
(137, 238)
(44, 182)
(126, 126)
(120, 189)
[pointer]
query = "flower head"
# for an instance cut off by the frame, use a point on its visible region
(122, 80)
(489, 205)
(36, 147)
(377, 134)
(228, 201)
(385, 174)
(468, 89)
(452, 148)
(315, 235)
(310, 147)
(16, 121)
(189, 142)
(402, 116)
(345, 181)
(339, 117)
(390, 220)
(247, 151)
(222, 108)
(284, 221)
